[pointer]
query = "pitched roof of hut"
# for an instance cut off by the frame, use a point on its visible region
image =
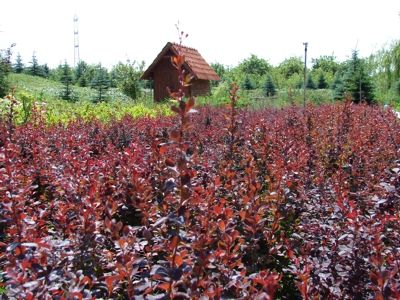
(194, 62)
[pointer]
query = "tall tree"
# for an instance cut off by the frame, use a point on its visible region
(45, 71)
(66, 79)
(269, 87)
(337, 87)
(80, 76)
(220, 69)
(357, 81)
(291, 66)
(127, 78)
(5, 68)
(248, 84)
(255, 66)
(310, 83)
(18, 66)
(101, 84)
(325, 63)
(34, 69)
(322, 84)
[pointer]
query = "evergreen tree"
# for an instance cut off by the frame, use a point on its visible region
(310, 83)
(45, 71)
(5, 68)
(18, 66)
(66, 79)
(337, 87)
(80, 76)
(247, 84)
(322, 84)
(101, 84)
(356, 80)
(34, 69)
(269, 87)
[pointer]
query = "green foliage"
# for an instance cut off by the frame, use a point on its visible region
(34, 68)
(127, 78)
(45, 71)
(51, 89)
(44, 95)
(101, 83)
(5, 68)
(326, 63)
(80, 74)
(248, 84)
(221, 70)
(269, 87)
(27, 102)
(310, 83)
(356, 81)
(291, 66)
(322, 84)
(255, 66)
(397, 88)
(66, 80)
(386, 65)
(18, 66)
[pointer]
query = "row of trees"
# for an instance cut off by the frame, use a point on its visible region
(361, 78)
(34, 68)
(125, 76)
(352, 77)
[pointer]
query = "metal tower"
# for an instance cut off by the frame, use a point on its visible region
(76, 41)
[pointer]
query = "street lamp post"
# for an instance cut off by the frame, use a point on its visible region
(305, 74)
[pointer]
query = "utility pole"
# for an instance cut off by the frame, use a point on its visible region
(305, 73)
(76, 41)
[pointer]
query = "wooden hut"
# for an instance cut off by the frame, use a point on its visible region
(164, 74)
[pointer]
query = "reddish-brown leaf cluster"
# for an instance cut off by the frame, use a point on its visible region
(306, 206)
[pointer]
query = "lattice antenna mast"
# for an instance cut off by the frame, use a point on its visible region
(76, 41)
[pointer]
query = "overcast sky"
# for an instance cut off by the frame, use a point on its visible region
(223, 31)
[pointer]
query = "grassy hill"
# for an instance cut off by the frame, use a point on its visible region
(33, 91)
(44, 88)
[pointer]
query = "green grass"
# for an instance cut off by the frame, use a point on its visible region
(44, 88)
(33, 91)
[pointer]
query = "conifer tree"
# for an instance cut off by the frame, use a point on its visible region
(101, 84)
(45, 71)
(247, 84)
(269, 87)
(322, 84)
(337, 87)
(310, 83)
(34, 69)
(18, 66)
(66, 79)
(5, 68)
(356, 80)
(80, 78)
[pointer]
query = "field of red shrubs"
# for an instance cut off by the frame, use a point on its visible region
(287, 204)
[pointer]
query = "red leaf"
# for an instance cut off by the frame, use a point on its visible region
(178, 260)
(174, 242)
(110, 282)
(175, 135)
(164, 286)
(221, 225)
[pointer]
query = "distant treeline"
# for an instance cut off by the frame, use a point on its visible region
(374, 78)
